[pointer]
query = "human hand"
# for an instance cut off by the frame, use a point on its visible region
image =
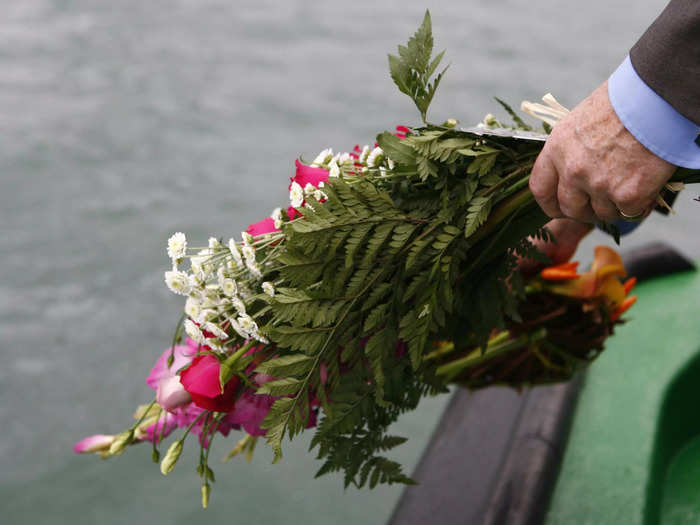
(568, 234)
(592, 169)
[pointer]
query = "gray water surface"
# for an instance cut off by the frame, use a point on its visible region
(122, 122)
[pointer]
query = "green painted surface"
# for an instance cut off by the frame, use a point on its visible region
(637, 412)
(680, 503)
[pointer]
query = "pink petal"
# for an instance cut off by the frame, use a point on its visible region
(171, 394)
(95, 443)
(308, 175)
(183, 355)
(267, 225)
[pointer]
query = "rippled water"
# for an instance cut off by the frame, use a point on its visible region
(121, 122)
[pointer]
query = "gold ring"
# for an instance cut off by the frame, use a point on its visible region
(631, 218)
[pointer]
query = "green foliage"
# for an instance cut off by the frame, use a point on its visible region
(412, 71)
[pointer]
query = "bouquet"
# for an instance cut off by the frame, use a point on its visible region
(391, 274)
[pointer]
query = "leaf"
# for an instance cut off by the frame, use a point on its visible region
(396, 149)
(288, 365)
(280, 387)
(479, 209)
(521, 124)
(412, 70)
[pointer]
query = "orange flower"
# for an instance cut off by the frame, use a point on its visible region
(601, 282)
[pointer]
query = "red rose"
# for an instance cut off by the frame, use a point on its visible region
(201, 380)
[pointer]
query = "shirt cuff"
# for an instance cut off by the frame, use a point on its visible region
(652, 120)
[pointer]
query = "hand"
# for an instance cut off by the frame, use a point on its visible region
(592, 169)
(568, 234)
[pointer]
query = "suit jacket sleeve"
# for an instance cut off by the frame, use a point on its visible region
(667, 57)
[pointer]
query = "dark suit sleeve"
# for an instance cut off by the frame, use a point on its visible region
(667, 57)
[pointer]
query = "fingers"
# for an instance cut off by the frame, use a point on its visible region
(574, 203)
(544, 181)
(605, 209)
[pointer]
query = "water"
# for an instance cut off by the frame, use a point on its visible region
(123, 122)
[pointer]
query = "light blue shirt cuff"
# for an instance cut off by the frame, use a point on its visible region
(652, 120)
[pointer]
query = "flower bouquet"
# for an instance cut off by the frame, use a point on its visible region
(391, 274)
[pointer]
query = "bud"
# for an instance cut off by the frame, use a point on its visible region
(206, 489)
(450, 123)
(119, 445)
(171, 457)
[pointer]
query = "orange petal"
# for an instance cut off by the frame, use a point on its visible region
(626, 304)
(629, 284)
(556, 273)
(607, 261)
(612, 290)
(584, 286)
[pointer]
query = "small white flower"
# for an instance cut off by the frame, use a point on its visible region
(237, 328)
(177, 246)
(376, 157)
(323, 158)
(214, 243)
(268, 288)
(238, 305)
(233, 247)
(248, 325)
(206, 315)
(344, 159)
(216, 330)
(193, 331)
(247, 238)
(382, 171)
(364, 154)
(229, 287)
(254, 268)
(320, 196)
(276, 216)
(249, 253)
(178, 282)
(192, 308)
(334, 170)
(296, 195)
(309, 189)
(390, 163)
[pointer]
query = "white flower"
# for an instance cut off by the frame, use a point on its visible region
(296, 195)
(248, 325)
(334, 170)
(237, 328)
(249, 253)
(390, 163)
(177, 246)
(238, 305)
(345, 158)
(233, 247)
(277, 217)
(178, 282)
(192, 308)
(254, 268)
(309, 189)
(216, 330)
(247, 238)
(214, 243)
(206, 315)
(229, 287)
(268, 288)
(375, 158)
(364, 154)
(193, 331)
(323, 157)
(319, 195)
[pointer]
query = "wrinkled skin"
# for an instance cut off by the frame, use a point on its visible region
(592, 169)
